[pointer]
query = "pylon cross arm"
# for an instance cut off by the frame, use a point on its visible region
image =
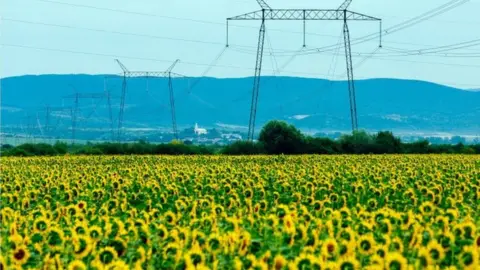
(304, 14)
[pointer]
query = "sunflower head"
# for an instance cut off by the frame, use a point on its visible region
(435, 251)
(366, 244)
(395, 261)
(20, 255)
(469, 258)
(214, 243)
(329, 248)
(348, 263)
(279, 262)
(82, 246)
(107, 255)
(95, 233)
(55, 238)
(170, 218)
(77, 265)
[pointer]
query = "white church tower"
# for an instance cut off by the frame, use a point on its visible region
(199, 131)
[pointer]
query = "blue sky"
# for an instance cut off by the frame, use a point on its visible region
(66, 36)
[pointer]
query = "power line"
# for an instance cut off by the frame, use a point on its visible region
(282, 52)
(135, 58)
(406, 24)
(167, 17)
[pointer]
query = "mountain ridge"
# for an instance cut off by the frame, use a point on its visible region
(309, 103)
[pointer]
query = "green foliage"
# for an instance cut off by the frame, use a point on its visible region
(387, 143)
(279, 137)
(276, 137)
(322, 146)
(244, 148)
(61, 148)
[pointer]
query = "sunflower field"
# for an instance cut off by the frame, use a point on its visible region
(219, 212)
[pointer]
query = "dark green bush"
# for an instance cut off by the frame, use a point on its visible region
(279, 137)
(244, 148)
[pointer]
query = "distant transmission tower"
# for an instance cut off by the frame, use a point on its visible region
(147, 74)
(48, 127)
(267, 13)
(76, 97)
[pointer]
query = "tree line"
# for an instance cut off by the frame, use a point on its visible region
(276, 137)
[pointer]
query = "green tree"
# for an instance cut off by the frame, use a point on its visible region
(279, 137)
(387, 143)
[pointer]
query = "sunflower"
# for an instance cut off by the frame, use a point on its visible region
(80, 227)
(95, 264)
(395, 261)
(329, 248)
(469, 258)
(119, 245)
(469, 229)
(289, 225)
(82, 246)
(346, 234)
(20, 255)
(279, 262)
(118, 265)
(381, 251)
(3, 263)
(41, 224)
(372, 203)
(106, 255)
(245, 241)
(348, 263)
(172, 251)
(55, 238)
(82, 205)
(396, 245)
(366, 244)
(259, 265)
(423, 258)
(376, 260)
(435, 251)
(77, 265)
(95, 233)
(162, 231)
(304, 261)
(214, 243)
(170, 218)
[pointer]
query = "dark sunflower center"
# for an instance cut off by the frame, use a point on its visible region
(435, 254)
(347, 266)
(106, 257)
(395, 265)
(196, 258)
(214, 244)
(19, 255)
(366, 245)
(467, 259)
(278, 265)
(304, 264)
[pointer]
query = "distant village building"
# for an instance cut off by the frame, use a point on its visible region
(199, 131)
(232, 136)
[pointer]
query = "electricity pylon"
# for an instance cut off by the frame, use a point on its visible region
(147, 74)
(76, 97)
(47, 127)
(339, 14)
(109, 103)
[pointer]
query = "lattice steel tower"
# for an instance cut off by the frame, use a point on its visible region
(267, 13)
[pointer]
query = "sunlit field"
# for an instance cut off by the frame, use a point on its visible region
(304, 212)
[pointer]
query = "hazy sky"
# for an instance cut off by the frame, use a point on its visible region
(84, 36)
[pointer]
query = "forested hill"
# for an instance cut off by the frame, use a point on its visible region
(383, 104)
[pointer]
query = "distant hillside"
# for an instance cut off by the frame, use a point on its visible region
(320, 105)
